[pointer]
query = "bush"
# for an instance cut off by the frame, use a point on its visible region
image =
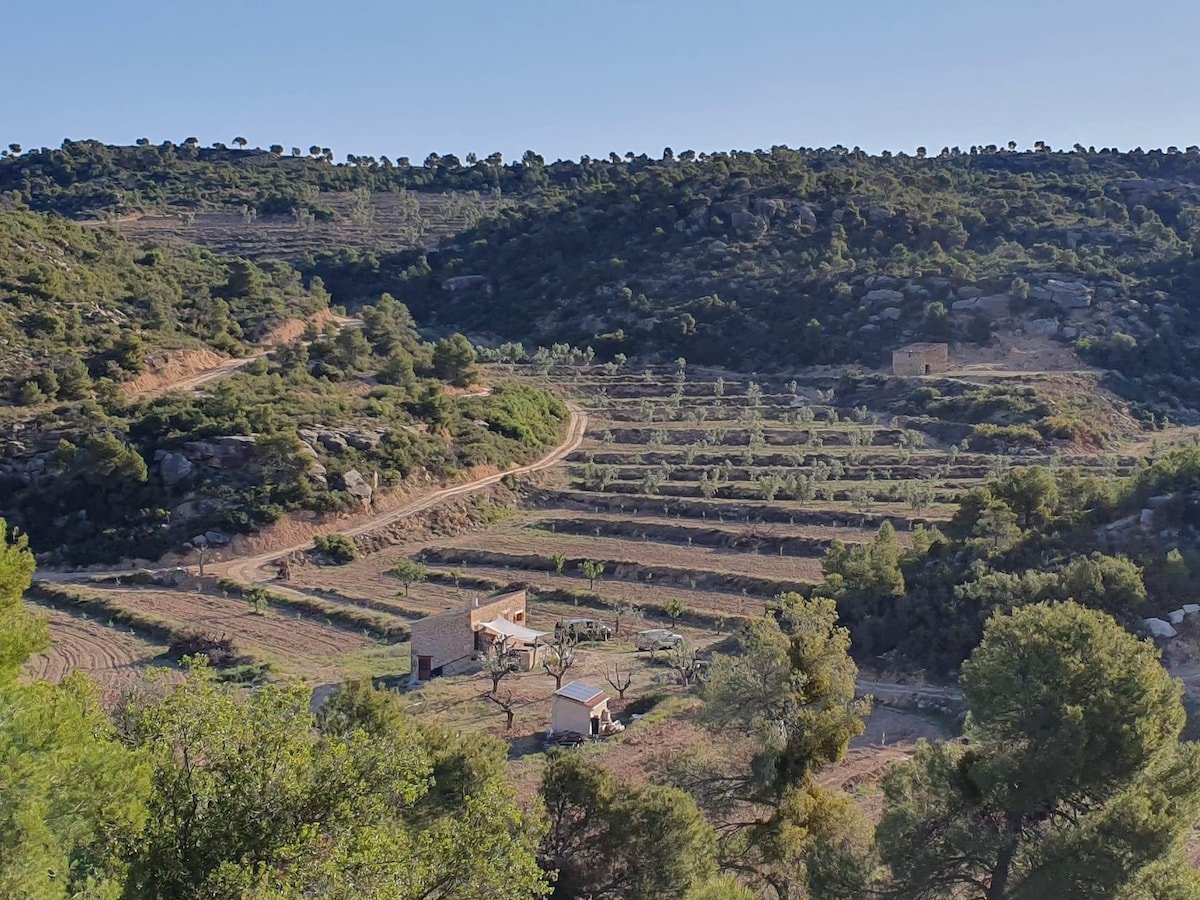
(218, 648)
(337, 548)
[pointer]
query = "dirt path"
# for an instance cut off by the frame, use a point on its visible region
(247, 569)
(288, 331)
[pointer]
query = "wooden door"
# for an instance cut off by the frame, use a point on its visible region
(424, 668)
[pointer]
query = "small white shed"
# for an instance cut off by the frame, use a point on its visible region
(580, 707)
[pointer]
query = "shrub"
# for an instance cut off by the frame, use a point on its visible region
(337, 548)
(218, 648)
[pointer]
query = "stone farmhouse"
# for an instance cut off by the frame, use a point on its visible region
(921, 359)
(449, 643)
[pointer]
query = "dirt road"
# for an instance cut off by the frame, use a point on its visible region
(246, 569)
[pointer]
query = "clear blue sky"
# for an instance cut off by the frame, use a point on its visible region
(566, 78)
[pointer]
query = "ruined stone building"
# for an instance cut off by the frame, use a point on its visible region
(921, 359)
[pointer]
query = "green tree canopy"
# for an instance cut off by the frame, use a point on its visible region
(1073, 782)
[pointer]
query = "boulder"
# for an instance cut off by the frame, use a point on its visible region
(227, 451)
(805, 214)
(333, 442)
(718, 247)
(362, 440)
(1176, 616)
(174, 468)
(355, 485)
(1146, 517)
(1044, 327)
(967, 304)
(1159, 629)
(884, 295)
(1191, 608)
(994, 306)
(768, 209)
(877, 215)
(1069, 294)
(968, 292)
(216, 537)
(462, 282)
(747, 224)
(891, 313)
(1070, 332)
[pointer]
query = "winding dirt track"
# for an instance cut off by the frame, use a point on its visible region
(246, 569)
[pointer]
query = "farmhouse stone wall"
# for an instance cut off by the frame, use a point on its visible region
(921, 359)
(448, 638)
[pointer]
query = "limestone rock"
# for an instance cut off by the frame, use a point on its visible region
(892, 313)
(1044, 327)
(1176, 616)
(1191, 608)
(216, 537)
(462, 282)
(747, 224)
(362, 440)
(174, 468)
(994, 306)
(333, 442)
(805, 214)
(967, 304)
(884, 295)
(355, 485)
(968, 292)
(1159, 629)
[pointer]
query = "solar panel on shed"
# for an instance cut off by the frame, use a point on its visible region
(578, 690)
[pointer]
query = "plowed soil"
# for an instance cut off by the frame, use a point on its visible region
(279, 631)
(111, 656)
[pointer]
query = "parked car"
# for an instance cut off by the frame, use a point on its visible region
(583, 630)
(657, 639)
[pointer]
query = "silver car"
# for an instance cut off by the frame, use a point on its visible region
(657, 639)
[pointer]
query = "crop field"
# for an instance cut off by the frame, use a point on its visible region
(111, 655)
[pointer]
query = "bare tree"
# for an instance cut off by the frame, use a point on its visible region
(499, 661)
(685, 659)
(623, 609)
(620, 682)
(560, 657)
(506, 704)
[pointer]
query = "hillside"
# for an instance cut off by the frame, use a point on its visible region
(101, 459)
(764, 260)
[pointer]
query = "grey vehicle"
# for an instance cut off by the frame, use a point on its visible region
(657, 639)
(583, 630)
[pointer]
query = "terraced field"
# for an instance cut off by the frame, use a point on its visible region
(387, 221)
(111, 655)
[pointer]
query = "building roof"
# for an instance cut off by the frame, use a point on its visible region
(581, 692)
(504, 628)
(922, 347)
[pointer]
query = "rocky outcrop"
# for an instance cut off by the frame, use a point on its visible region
(225, 452)
(1159, 629)
(1065, 294)
(174, 468)
(884, 295)
(1043, 327)
(355, 485)
(463, 282)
